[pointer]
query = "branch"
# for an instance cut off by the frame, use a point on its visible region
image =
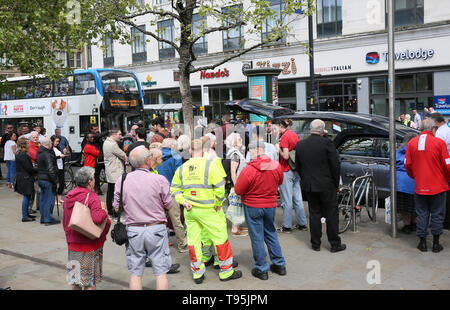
(227, 59)
(160, 13)
(159, 39)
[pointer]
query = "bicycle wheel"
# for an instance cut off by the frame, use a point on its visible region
(69, 182)
(344, 208)
(102, 177)
(371, 200)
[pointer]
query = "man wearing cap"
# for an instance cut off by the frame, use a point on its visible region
(257, 185)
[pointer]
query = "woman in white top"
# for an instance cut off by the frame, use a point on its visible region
(59, 162)
(235, 152)
(10, 158)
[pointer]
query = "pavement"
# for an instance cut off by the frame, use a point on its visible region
(33, 257)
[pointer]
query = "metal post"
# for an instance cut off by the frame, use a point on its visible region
(312, 86)
(391, 82)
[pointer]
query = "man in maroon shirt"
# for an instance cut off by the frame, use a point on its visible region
(291, 193)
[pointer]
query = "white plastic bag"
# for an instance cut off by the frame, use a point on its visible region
(235, 211)
(387, 210)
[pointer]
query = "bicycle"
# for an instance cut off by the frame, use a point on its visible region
(69, 175)
(353, 197)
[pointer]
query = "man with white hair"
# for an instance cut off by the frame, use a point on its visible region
(47, 180)
(317, 163)
(145, 196)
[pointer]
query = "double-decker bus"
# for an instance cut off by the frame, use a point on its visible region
(106, 97)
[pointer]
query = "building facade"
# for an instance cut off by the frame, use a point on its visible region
(350, 55)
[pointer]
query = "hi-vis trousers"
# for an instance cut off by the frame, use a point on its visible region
(208, 224)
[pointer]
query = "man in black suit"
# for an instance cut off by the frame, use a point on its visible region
(317, 163)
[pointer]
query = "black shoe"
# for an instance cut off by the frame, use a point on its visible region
(54, 222)
(338, 248)
(199, 280)
(28, 219)
(260, 275)
(174, 269)
(148, 264)
(236, 275)
(31, 212)
(285, 230)
(32, 216)
(422, 245)
(278, 269)
(315, 247)
(436, 246)
(301, 227)
(235, 264)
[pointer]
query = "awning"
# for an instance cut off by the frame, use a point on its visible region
(168, 106)
(259, 107)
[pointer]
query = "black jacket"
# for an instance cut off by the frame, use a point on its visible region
(317, 163)
(25, 173)
(47, 168)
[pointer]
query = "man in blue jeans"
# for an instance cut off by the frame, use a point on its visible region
(47, 180)
(257, 185)
(291, 193)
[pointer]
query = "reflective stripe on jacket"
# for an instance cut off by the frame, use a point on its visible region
(199, 181)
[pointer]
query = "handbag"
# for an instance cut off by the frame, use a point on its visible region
(291, 160)
(81, 221)
(119, 232)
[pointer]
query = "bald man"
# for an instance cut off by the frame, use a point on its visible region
(317, 163)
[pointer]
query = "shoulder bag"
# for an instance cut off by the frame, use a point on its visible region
(119, 232)
(81, 221)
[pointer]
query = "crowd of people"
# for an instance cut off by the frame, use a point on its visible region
(165, 183)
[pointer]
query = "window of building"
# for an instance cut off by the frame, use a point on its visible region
(78, 59)
(337, 96)
(271, 22)
(108, 56)
(408, 12)
(166, 31)
(89, 56)
(201, 45)
(138, 44)
(329, 18)
(233, 38)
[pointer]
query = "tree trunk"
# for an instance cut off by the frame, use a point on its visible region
(186, 99)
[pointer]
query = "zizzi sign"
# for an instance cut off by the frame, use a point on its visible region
(211, 75)
(424, 54)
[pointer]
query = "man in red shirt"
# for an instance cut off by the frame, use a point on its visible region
(427, 161)
(160, 132)
(291, 193)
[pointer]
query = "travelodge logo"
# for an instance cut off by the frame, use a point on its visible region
(372, 58)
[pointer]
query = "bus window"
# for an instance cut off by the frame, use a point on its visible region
(24, 89)
(84, 84)
(43, 88)
(114, 81)
(64, 87)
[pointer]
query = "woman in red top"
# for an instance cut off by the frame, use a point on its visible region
(91, 153)
(85, 255)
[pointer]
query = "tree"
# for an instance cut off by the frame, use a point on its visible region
(223, 16)
(32, 30)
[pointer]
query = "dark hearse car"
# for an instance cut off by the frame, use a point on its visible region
(359, 138)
